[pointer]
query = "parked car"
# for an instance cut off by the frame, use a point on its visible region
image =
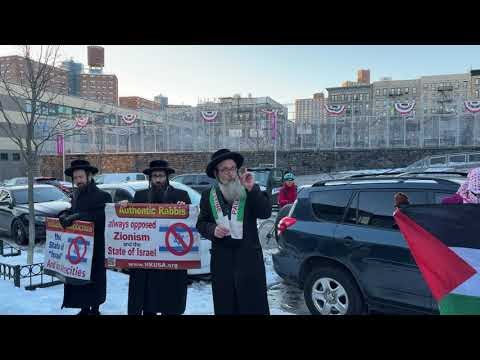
(198, 181)
(126, 191)
(283, 211)
(15, 181)
(62, 185)
(49, 201)
(269, 179)
(115, 178)
(340, 243)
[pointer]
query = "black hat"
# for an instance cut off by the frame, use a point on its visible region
(219, 156)
(157, 165)
(80, 165)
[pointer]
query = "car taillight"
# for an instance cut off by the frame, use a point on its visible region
(284, 224)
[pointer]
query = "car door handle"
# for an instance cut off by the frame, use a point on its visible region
(348, 241)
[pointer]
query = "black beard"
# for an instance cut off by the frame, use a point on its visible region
(159, 187)
(82, 188)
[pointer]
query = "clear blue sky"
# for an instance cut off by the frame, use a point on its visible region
(185, 73)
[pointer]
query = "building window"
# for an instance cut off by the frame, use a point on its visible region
(425, 86)
(4, 156)
(16, 157)
(377, 92)
(477, 81)
(414, 90)
(399, 91)
(406, 91)
(385, 91)
(465, 84)
(366, 97)
(392, 91)
(476, 93)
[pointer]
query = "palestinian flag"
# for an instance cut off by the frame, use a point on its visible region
(445, 243)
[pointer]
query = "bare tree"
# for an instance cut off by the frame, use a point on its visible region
(31, 87)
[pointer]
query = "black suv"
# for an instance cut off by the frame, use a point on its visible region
(340, 244)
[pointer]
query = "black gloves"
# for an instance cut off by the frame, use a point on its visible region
(67, 220)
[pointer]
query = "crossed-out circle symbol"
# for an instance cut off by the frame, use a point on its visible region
(185, 247)
(78, 257)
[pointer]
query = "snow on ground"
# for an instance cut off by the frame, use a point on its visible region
(47, 301)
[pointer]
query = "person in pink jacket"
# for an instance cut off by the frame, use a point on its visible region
(469, 191)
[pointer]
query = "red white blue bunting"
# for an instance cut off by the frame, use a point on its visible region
(209, 115)
(129, 118)
(472, 106)
(335, 109)
(405, 108)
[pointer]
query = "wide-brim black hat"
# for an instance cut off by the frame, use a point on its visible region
(80, 165)
(158, 165)
(221, 155)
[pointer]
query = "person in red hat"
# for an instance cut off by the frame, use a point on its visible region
(152, 291)
(88, 204)
(228, 217)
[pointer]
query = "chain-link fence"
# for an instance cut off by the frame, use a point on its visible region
(185, 131)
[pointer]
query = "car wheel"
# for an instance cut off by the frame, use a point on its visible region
(19, 233)
(332, 291)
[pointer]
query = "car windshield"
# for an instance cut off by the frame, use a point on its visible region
(44, 194)
(15, 181)
(261, 177)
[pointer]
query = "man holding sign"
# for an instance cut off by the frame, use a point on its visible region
(228, 217)
(152, 291)
(88, 204)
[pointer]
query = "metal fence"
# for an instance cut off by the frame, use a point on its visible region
(32, 274)
(334, 132)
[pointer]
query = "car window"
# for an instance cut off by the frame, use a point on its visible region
(188, 180)
(277, 178)
(375, 208)
(39, 195)
(99, 179)
(261, 177)
(141, 177)
(329, 205)
(205, 180)
(121, 195)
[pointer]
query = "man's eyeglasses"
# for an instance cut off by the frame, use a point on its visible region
(225, 170)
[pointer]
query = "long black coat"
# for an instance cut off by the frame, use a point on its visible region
(90, 205)
(239, 283)
(158, 291)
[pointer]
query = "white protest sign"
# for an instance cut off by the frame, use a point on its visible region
(68, 252)
(152, 236)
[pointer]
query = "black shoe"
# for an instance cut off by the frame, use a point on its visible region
(94, 311)
(84, 311)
